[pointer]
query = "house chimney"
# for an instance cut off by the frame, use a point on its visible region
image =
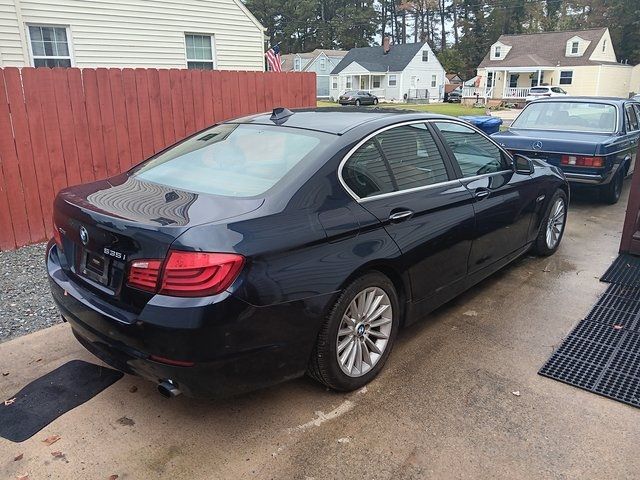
(386, 45)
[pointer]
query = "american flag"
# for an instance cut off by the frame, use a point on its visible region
(273, 57)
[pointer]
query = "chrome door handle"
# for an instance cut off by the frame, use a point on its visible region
(400, 216)
(482, 193)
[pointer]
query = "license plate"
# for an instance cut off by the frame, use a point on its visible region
(95, 267)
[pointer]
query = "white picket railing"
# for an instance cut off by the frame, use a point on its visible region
(471, 92)
(517, 92)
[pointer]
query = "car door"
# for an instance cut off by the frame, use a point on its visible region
(504, 201)
(401, 176)
(632, 124)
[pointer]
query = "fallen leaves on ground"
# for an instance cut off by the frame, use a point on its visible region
(471, 313)
(50, 440)
(18, 457)
(9, 402)
(22, 477)
(133, 389)
(4, 374)
(57, 454)
(516, 393)
(113, 477)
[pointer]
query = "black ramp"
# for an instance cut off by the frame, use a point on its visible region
(45, 399)
(602, 353)
(625, 270)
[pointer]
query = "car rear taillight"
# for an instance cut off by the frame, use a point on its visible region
(580, 161)
(144, 274)
(186, 274)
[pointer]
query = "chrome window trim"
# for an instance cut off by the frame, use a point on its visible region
(368, 137)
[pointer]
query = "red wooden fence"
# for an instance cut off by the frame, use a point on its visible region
(60, 127)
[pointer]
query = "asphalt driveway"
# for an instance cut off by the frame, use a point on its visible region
(459, 398)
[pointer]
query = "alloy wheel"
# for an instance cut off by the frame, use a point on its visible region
(364, 332)
(555, 223)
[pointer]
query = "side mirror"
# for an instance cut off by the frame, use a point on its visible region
(522, 164)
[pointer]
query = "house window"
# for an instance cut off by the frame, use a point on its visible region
(575, 46)
(323, 64)
(566, 77)
(425, 55)
(199, 51)
(376, 81)
(296, 64)
(497, 51)
(49, 46)
(489, 79)
(348, 83)
(513, 80)
(434, 81)
(392, 80)
(334, 83)
(604, 44)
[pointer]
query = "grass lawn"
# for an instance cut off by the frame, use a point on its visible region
(453, 109)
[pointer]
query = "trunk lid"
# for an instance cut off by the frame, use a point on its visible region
(106, 224)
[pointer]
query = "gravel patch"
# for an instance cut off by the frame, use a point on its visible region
(25, 301)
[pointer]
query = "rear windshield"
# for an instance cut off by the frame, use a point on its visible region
(232, 160)
(539, 90)
(568, 116)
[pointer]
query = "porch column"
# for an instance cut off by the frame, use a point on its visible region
(539, 77)
(504, 84)
(370, 85)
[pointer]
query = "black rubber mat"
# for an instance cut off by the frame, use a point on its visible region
(625, 270)
(602, 353)
(45, 399)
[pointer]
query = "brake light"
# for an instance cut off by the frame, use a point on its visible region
(186, 274)
(581, 161)
(144, 274)
(198, 274)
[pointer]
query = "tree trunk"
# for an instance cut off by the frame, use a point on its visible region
(443, 32)
(454, 9)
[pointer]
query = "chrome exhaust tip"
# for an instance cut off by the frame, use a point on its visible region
(168, 389)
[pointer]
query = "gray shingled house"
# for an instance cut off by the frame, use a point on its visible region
(396, 73)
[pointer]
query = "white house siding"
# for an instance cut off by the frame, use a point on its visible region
(10, 44)
(137, 33)
(423, 72)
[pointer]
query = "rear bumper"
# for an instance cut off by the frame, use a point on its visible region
(591, 178)
(232, 347)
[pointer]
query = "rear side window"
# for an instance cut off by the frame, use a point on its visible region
(397, 159)
(231, 160)
(366, 172)
(632, 119)
(475, 154)
(413, 156)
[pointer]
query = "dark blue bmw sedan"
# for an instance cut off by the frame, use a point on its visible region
(269, 246)
(593, 140)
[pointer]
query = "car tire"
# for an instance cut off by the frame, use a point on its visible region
(339, 359)
(552, 225)
(611, 192)
(357, 103)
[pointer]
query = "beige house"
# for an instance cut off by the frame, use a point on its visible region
(212, 34)
(582, 62)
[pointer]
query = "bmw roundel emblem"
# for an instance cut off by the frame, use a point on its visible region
(537, 145)
(84, 235)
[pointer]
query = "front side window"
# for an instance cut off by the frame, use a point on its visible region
(558, 90)
(49, 46)
(434, 80)
(392, 80)
(568, 116)
(199, 51)
(566, 77)
(233, 160)
(632, 119)
(475, 154)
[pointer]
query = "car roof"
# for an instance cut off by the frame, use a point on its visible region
(336, 120)
(569, 98)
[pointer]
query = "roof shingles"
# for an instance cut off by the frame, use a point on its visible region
(545, 49)
(374, 59)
